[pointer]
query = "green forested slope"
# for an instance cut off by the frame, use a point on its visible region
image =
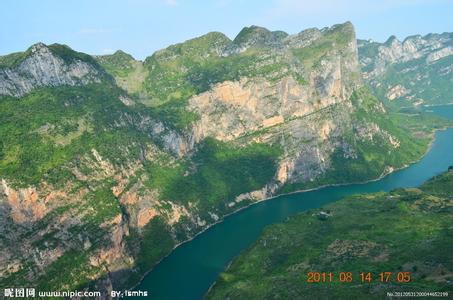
(406, 230)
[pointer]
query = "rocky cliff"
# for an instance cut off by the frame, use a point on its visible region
(43, 66)
(107, 163)
(415, 71)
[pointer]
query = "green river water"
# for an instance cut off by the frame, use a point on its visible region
(189, 271)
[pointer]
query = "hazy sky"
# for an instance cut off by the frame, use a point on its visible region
(141, 27)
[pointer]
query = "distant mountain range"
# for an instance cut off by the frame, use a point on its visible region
(415, 71)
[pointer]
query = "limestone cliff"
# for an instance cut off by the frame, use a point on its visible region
(415, 71)
(42, 66)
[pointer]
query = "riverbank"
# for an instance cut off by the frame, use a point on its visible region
(384, 174)
(221, 220)
(398, 231)
(194, 266)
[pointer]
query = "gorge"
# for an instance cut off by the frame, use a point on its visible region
(107, 163)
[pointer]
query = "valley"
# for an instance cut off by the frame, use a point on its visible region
(401, 232)
(195, 266)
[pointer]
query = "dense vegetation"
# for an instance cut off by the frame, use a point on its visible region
(155, 243)
(129, 73)
(177, 74)
(222, 171)
(119, 64)
(51, 126)
(192, 67)
(406, 230)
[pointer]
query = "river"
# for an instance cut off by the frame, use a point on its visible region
(189, 271)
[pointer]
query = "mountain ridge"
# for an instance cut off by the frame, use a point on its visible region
(412, 72)
(51, 65)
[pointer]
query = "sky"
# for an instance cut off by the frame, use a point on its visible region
(141, 27)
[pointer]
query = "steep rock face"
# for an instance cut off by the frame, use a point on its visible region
(417, 70)
(231, 109)
(432, 47)
(275, 113)
(52, 224)
(332, 72)
(41, 66)
(23, 203)
(270, 109)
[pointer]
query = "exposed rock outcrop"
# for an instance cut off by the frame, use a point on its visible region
(42, 66)
(417, 70)
(24, 204)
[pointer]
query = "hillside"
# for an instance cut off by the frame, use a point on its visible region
(406, 230)
(415, 71)
(107, 163)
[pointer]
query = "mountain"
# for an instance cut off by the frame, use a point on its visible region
(107, 163)
(406, 230)
(22, 72)
(415, 71)
(128, 72)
